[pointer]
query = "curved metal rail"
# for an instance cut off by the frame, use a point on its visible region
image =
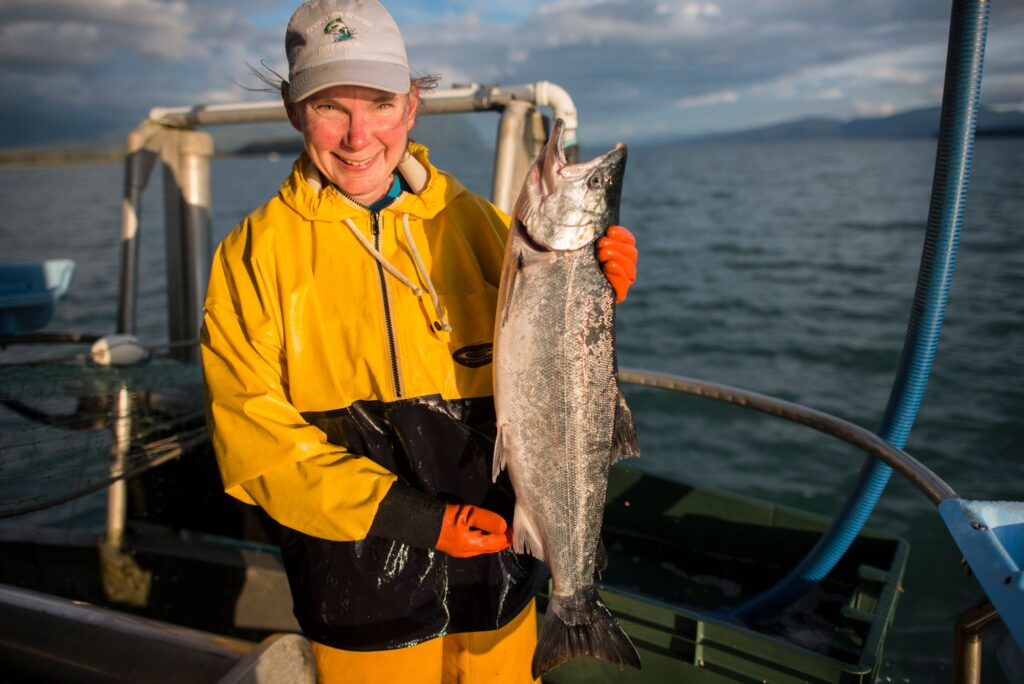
(984, 531)
(930, 484)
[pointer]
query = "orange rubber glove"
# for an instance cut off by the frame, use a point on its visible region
(468, 531)
(616, 252)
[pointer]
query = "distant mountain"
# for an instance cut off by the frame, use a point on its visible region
(31, 126)
(918, 123)
(453, 138)
(67, 153)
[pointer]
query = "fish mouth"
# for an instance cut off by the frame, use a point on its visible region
(558, 137)
(559, 164)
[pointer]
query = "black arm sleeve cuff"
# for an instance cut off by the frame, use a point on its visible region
(410, 516)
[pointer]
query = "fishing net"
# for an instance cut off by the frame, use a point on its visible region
(72, 427)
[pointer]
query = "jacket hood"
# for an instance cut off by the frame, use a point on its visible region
(316, 199)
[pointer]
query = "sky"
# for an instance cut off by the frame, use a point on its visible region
(637, 69)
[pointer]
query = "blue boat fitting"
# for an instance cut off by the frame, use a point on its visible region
(990, 534)
(29, 292)
(964, 61)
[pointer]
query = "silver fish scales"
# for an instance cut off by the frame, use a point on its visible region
(562, 420)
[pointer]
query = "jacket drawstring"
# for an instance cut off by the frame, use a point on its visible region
(420, 269)
(381, 260)
(442, 314)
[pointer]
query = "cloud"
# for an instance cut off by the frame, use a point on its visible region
(684, 66)
(868, 108)
(640, 60)
(41, 46)
(827, 94)
(126, 56)
(1010, 107)
(889, 74)
(721, 97)
(64, 29)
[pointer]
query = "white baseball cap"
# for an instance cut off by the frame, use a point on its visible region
(344, 42)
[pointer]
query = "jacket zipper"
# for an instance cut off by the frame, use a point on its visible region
(388, 322)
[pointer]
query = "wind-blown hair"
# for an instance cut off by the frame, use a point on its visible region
(273, 81)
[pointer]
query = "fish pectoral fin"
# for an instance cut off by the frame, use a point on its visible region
(500, 447)
(524, 535)
(513, 264)
(624, 442)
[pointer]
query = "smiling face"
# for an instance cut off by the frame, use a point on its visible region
(355, 135)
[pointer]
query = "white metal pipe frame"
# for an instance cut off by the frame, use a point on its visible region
(167, 135)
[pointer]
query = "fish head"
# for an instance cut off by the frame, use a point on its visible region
(563, 206)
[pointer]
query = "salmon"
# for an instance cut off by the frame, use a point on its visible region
(561, 419)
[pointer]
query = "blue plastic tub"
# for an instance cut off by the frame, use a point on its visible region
(29, 293)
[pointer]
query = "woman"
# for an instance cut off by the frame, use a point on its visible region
(346, 350)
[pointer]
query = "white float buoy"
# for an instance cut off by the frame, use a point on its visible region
(118, 350)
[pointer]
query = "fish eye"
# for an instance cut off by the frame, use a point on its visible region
(595, 181)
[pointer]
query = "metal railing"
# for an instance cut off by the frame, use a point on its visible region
(994, 553)
(918, 474)
(168, 135)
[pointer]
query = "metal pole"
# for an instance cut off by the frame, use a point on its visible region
(510, 133)
(186, 157)
(139, 161)
(967, 652)
(117, 494)
(123, 580)
(553, 95)
(521, 135)
(170, 159)
(197, 149)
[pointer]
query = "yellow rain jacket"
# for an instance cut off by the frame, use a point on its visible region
(346, 354)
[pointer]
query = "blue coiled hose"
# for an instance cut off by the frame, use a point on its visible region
(964, 59)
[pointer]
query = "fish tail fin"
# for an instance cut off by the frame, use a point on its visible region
(581, 625)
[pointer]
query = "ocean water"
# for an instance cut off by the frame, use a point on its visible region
(784, 269)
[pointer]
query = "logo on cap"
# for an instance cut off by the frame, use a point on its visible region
(337, 28)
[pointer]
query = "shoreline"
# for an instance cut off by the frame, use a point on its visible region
(13, 159)
(70, 157)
